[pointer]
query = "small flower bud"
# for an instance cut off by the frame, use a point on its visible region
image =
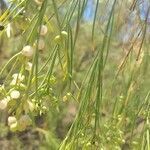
(18, 77)
(28, 66)
(43, 30)
(64, 34)
(14, 94)
(57, 39)
(22, 86)
(69, 95)
(13, 82)
(52, 79)
(65, 98)
(41, 44)
(27, 51)
(13, 127)
(44, 108)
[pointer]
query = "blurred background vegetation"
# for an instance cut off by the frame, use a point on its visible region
(99, 72)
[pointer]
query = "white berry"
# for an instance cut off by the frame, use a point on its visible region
(27, 51)
(43, 30)
(3, 104)
(11, 120)
(14, 94)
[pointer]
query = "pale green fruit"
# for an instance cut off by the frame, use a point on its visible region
(13, 127)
